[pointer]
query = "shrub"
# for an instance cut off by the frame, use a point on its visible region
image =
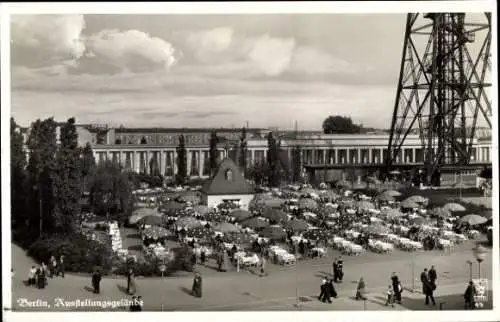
(80, 253)
(143, 267)
(181, 260)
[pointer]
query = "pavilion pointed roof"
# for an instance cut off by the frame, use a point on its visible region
(228, 180)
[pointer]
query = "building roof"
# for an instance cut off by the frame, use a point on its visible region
(223, 183)
(182, 130)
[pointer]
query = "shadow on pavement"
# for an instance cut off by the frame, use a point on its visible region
(445, 302)
(122, 289)
(186, 290)
(88, 289)
(325, 274)
(379, 300)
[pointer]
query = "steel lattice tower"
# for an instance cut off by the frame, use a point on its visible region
(441, 90)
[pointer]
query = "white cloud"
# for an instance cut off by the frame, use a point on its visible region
(272, 55)
(43, 39)
(56, 42)
(132, 49)
(309, 60)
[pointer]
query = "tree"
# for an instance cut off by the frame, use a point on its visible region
(87, 164)
(181, 161)
(213, 153)
(67, 180)
(296, 164)
(41, 171)
(273, 161)
(111, 191)
(18, 162)
(243, 149)
(340, 125)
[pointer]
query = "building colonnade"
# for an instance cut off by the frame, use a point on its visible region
(163, 160)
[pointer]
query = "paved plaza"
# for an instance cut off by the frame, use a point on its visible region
(244, 291)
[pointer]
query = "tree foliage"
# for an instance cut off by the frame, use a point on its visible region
(111, 191)
(273, 176)
(340, 125)
(67, 179)
(181, 161)
(296, 164)
(242, 162)
(18, 163)
(213, 153)
(41, 171)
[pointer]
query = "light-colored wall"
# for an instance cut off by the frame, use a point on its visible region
(213, 201)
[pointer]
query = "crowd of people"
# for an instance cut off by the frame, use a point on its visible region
(38, 276)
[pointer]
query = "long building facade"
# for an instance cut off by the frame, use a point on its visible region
(153, 150)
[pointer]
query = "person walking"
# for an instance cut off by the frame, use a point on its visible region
(323, 287)
(262, 267)
(390, 296)
(340, 269)
(96, 281)
(361, 290)
(54, 266)
(42, 277)
(330, 289)
(50, 267)
(395, 287)
(131, 289)
(427, 287)
(32, 276)
(196, 290)
(433, 276)
(335, 270)
(61, 266)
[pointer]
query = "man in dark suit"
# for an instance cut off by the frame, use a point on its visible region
(340, 269)
(427, 287)
(335, 270)
(432, 275)
(62, 266)
(330, 289)
(323, 288)
(96, 281)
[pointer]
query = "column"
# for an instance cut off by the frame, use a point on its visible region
(358, 155)
(174, 166)
(137, 161)
(200, 162)
(163, 162)
(414, 152)
(477, 153)
(325, 151)
(370, 155)
(337, 156)
(381, 151)
(188, 163)
(122, 158)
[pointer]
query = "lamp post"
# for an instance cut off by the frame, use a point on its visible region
(470, 269)
(479, 254)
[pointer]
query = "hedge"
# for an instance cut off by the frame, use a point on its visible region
(80, 253)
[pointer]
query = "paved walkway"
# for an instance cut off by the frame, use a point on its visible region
(246, 291)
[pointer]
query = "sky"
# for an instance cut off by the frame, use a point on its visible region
(206, 70)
